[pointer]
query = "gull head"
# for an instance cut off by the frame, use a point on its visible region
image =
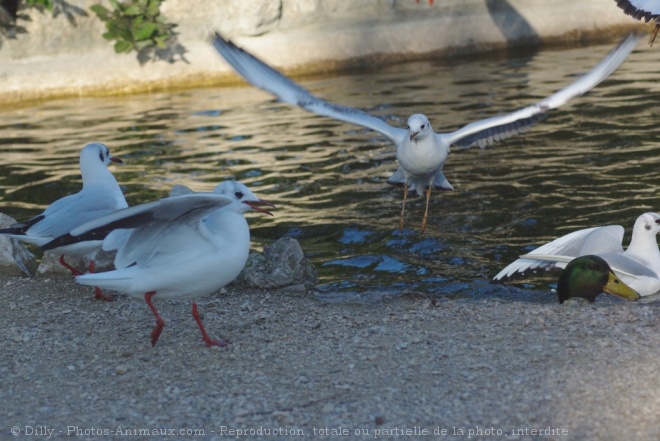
(648, 223)
(418, 127)
(96, 153)
(244, 199)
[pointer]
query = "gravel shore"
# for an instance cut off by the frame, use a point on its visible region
(514, 366)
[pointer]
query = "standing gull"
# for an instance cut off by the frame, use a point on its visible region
(180, 247)
(420, 151)
(99, 196)
(638, 266)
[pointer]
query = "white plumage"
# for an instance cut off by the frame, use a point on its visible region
(181, 247)
(100, 195)
(638, 266)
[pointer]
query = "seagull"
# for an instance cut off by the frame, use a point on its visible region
(181, 247)
(638, 266)
(589, 276)
(100, 195)
(646, 10)
(420, 151)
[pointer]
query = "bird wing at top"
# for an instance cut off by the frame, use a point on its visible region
(260, 75)
(490, 130)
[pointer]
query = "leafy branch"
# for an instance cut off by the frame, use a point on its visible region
(134, 25)
(138, 25)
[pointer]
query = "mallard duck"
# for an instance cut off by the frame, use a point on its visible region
(589, 276)
(420, 151)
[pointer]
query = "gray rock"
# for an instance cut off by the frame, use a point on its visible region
(15, 259)
(282, 264)
(50, 265)
(180, 190)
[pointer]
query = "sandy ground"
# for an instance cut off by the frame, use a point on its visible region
(516, 365)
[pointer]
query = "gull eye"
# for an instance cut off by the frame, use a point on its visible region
(423, 126)
(239, 195)
(407, 127)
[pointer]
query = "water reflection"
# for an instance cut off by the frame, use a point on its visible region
(590, 163)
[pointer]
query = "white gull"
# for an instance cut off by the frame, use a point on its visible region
(420, 151)
(100, 195)
(180, 247)
(638, 266)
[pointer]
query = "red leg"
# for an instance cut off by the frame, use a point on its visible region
(159, 321)
(205, 336)
(426, 211)
(74, 271)
(403, 207)
(98, 294)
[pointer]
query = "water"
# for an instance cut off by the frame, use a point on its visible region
(592, 162)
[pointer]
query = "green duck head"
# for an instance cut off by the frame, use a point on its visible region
(587, 277)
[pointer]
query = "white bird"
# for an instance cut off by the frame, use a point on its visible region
(638, 266)
(100, 195)
(420, 151)
(180, 247)
(646, 10)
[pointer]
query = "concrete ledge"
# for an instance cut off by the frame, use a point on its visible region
(56, 59)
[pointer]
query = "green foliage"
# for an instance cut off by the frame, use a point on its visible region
(134, 25)
(40, 4)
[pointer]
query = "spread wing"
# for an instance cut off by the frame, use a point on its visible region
(487, 131)
(597, 240)
(154, 216)
(260, 75)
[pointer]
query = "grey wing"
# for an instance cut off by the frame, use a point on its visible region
(490, 130)
(71, 211)
(597, 240)
(178, 209)
(260, 75)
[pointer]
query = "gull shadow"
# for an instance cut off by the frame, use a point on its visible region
(510, 23)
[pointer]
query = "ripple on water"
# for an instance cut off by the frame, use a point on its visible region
(592, 162)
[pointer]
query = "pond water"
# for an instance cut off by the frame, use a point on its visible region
(592, 162)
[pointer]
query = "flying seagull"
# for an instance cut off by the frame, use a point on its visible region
(420, 151)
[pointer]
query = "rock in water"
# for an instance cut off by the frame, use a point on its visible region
(282, 264)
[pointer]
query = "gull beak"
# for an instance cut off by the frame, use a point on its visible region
(413, 135)
(616, 287)
(116, 159)
(256, 205)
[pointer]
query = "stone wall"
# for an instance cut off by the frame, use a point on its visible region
(66, 55)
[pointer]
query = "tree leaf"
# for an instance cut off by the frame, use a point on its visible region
(145, 31)
(123, 46)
